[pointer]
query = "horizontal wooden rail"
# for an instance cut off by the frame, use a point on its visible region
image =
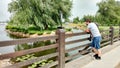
(104, 34)
(26, 40)
(106, 39)
(105, 30)
(24, 52)
(75, 48)
(75, 41)
(72, 56)
(116, 39)
(75, 34)
(50, 65)
(106, 43)
(27, 62)
(115, 36)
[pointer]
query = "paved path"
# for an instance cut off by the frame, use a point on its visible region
(109, 60)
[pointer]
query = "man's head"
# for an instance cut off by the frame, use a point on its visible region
(87, 21)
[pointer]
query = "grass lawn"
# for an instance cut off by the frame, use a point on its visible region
(106, 27)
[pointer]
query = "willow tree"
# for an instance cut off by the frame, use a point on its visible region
(41, 13)
(109, 11)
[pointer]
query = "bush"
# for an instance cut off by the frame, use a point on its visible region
(31, 27)
(68, 29)
(30, 30)
(35, 32)
(47, 32)
(39, 32)
(40, 63)
(16, 29)
(76, 20)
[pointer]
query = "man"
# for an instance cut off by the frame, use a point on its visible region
(96, 38)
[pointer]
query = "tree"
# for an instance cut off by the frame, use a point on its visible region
(76, 20)
(41, 13)
(109, 11)
(92, 18)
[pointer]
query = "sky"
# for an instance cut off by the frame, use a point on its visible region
(4, 14)
(80, 8)
(84, 7)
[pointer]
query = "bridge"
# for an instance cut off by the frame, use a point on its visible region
(110, 59)
(109, 46)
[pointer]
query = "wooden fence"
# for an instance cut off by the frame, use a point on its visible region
(108, 37)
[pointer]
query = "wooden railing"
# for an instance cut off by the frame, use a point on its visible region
(28, 51)
(108, 37)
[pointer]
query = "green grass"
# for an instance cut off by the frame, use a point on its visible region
(30, 30)
(33, 30)
(107, 27)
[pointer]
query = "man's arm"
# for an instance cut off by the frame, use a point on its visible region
(87, 31)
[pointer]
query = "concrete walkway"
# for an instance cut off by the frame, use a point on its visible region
(109, 60)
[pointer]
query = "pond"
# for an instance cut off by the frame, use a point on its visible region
(4, 36)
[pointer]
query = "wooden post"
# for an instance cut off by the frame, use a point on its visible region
(61, 48)
(119, 31)
(111, 34)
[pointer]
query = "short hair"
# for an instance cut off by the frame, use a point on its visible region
(88, 20)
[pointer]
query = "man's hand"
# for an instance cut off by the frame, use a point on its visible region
(87, 31)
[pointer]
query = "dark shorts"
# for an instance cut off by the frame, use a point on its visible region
(96, 42)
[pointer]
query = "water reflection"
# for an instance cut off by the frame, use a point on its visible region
(3, 37)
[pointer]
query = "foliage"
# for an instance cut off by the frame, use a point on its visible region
(16, 29)
(40, 63)
(43, 14)
(34, 65)
(34, 55)
(30, 30)
(26, 57)
(76, 20)
(68, 29)
(92, 18)
(108, 13)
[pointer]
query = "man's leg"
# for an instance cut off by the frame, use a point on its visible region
(97, 53)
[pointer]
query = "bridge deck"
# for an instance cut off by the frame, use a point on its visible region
(110, 59)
